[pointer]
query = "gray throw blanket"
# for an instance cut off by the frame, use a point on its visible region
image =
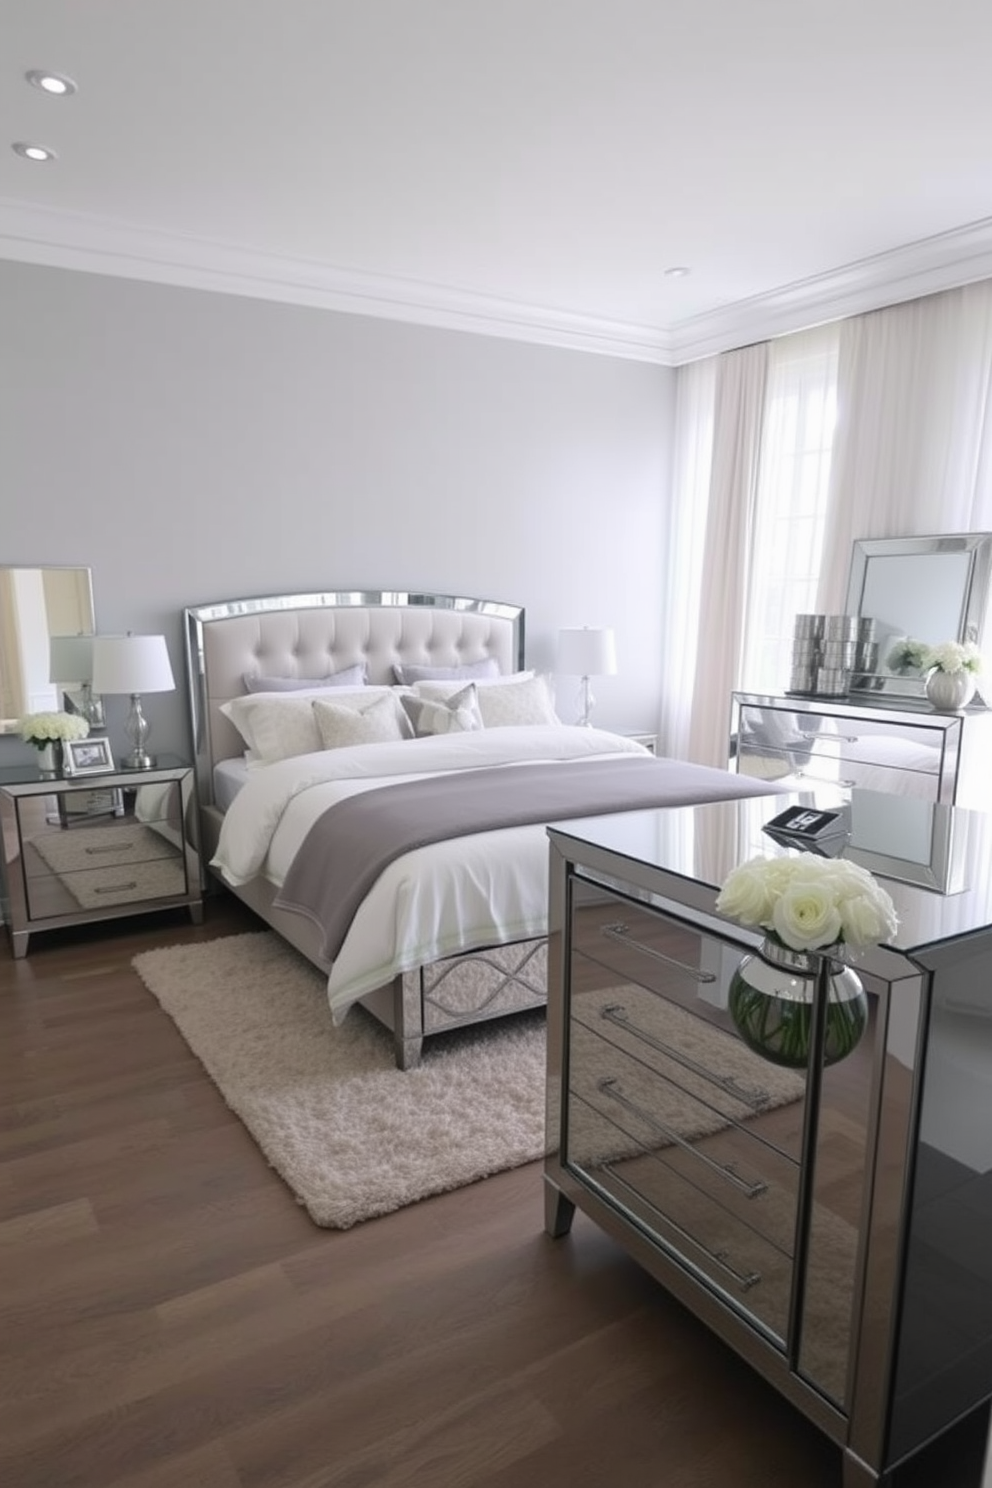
(351, 843)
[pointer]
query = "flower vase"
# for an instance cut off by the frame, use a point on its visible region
(772, 996)
(50, 759)
(949, 691)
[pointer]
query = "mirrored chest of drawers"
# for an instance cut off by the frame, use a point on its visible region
(67, 866)
(833, 1224)
(908, 750)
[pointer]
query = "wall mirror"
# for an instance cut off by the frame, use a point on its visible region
(928, 589)
(35, 605)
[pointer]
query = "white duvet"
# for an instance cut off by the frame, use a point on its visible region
(452, 896)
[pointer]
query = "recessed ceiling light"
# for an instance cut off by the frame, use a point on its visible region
(55, 83)
(679, 272)
(33, 152)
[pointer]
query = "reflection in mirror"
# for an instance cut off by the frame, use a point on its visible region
(923, 589)
(35, 605)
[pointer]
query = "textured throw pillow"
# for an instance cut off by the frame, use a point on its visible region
(520, 699)
(279, 725)
(407, 673)
(458, 714)
(527, 702)
(380, 722)
(353, 676)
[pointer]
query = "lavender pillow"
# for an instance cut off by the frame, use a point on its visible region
(407, 674)
(353, 676)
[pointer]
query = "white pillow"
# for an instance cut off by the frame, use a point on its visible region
(458, 714)
(529, 701)
(379, 723)
(443, 690)
(279, 725)
(409, 672)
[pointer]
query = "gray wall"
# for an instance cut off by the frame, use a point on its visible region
(191, 447)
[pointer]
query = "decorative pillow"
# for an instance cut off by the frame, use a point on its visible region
(378, 723)
(455, 715)
(279, 725)
(444, 689)
(353, 676)
(408, 673)
(529, 701)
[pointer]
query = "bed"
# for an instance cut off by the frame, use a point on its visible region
(368, 711)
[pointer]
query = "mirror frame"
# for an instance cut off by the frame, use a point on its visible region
(974, 598)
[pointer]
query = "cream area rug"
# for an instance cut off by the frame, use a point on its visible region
(352, 1135)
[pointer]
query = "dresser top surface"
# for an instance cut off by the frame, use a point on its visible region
(935, 861)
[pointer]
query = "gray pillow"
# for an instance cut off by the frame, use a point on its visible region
(353, 676)
(407, 674)
(455, 715)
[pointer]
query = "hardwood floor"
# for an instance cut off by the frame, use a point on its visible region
(171, 1318)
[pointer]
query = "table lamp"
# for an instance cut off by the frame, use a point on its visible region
(133, 664)
(586, 653)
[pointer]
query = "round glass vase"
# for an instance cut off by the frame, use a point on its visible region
(949, 691)
(772, 997)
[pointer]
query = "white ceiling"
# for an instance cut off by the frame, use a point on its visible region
(526, 168)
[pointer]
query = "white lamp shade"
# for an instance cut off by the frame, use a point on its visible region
(131, 663)
(70, 658)
(587, 653)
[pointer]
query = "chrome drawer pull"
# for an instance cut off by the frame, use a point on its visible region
(608, 1085)
(620, 932)
(110, 847)
(116, 888)
(745, 1279)
(748, 1095)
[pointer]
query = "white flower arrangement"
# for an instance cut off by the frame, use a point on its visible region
(907, 655)
(809, 902)
(41, 729)
(953, 656)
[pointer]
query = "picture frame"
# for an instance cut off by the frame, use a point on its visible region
(89, 756)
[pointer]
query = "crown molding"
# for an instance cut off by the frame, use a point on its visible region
(89, 244)
(945, 261)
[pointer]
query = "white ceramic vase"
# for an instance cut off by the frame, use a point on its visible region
(949, 691)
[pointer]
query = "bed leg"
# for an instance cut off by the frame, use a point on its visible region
(407, 1051)
(408, 1020)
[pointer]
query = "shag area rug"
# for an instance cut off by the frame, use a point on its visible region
(352, 1135)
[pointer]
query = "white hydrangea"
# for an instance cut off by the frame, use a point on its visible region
(953, 656)
(41, 728)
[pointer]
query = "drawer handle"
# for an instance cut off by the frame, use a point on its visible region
(620, 932)
(116, 888)
(748, 1095)
(744, 1279)
(110, 847)
(609, 1086)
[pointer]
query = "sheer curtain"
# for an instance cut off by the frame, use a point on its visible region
(913, 448)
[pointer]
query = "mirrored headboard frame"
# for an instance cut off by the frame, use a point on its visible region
(970, 605)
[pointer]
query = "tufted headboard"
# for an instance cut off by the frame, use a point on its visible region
(311, 635)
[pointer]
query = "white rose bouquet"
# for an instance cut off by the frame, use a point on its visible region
(953, 656)
(807, 903)
(41, 729)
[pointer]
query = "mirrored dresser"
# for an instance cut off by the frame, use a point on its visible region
(831, 1222)
(902, 747)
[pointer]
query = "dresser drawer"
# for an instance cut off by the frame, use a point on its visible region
(621, 1110)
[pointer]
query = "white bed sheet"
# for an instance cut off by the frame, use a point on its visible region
(456, 895)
